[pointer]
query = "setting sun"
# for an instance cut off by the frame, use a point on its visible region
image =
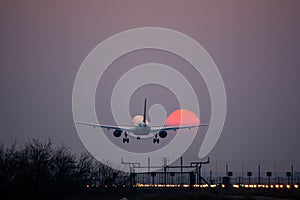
(182, 117)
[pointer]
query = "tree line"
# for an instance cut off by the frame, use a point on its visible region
(39, 168)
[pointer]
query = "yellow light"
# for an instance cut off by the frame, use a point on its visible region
(236, 186)
(171, 185)
(277, 186)
(223, 185)
(260, 185)
(213, 186)
(296, 186)
(288, 186)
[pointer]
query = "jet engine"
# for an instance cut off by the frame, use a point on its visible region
(162, 134)
(117, 133)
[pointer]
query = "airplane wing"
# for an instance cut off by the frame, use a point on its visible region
(167, 128)
(122, 128)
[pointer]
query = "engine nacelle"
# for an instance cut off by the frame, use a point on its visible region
(162, 134)
(117, 133)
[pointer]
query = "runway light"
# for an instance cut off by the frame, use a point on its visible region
(250, 186)
(169, 185)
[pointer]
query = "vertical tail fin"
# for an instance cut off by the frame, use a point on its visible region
(144, 119)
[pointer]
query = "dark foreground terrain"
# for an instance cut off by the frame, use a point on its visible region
(181, 196)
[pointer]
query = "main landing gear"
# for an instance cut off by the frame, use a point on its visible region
(126, 139)
(155, 140)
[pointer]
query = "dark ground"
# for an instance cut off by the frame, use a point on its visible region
(183, 196)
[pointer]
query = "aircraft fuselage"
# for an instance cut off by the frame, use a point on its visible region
(141, 127)
(141, 130)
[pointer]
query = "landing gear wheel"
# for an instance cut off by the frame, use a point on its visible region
(126, 139)
(156, 140)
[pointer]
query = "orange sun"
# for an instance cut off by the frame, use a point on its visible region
(182, 117)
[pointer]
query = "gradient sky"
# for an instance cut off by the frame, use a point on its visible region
(255, 44)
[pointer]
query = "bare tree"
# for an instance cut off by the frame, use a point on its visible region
(86, 169)
(63, 167)
(8, 165)
(33, 171)
(107, 174)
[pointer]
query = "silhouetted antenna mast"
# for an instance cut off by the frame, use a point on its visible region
(144, 119)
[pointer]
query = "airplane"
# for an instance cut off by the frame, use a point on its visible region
(141, 127)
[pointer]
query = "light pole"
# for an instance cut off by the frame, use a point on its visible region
(249, 174)
(269, 174)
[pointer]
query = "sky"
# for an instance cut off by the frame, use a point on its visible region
(255, 44)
